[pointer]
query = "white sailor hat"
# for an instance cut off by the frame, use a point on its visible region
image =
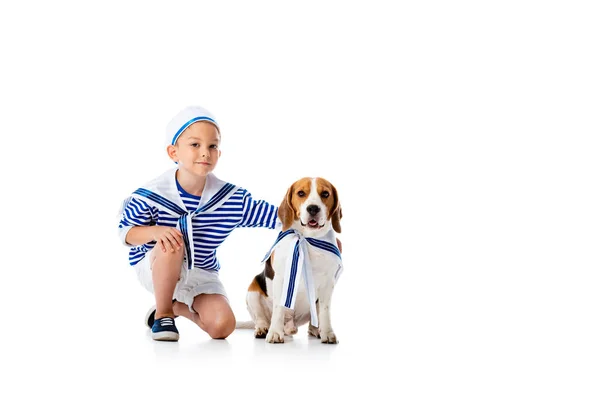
(185, 118)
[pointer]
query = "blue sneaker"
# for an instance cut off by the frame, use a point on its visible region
(165, 329)
(149, 317)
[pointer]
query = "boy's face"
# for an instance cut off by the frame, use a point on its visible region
(197, 148)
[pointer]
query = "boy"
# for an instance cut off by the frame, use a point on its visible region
(175, 223)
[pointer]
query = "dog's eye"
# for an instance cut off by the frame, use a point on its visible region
(301, 193)
(325, 194)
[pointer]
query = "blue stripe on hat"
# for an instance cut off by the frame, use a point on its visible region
(191, 121)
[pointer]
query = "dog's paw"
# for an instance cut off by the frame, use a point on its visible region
(329, 338)
(313, 331)
(274, 337)
(260, 332)
(290, 329)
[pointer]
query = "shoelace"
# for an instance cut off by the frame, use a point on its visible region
(166, 321)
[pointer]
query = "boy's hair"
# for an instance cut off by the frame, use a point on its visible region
(185, 118)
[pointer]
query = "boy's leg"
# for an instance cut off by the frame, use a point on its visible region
(166, 268)
(182, 310)
(213, 314)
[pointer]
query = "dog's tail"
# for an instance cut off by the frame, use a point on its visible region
(244, 325)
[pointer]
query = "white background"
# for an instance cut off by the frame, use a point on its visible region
(462, 138)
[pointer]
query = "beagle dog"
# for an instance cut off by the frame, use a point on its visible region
(282, 298)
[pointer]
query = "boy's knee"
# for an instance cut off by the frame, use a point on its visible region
(221, 328)
(168, 256)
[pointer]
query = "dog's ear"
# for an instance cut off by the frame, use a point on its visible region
(336, 212)
(335, 220)
(339, 244)
(286, 212)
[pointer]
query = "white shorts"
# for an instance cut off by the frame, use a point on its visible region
(191, 282)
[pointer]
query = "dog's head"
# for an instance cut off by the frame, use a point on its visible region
(311, 206)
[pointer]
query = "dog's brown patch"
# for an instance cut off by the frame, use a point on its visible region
(255, 287)
(289, 210)
(331, 201)
(269, 271)
(259, 283)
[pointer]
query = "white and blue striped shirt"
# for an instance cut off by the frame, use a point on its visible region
(209, 230)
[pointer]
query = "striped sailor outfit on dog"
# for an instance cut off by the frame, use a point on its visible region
(299, 266)
(205, 224)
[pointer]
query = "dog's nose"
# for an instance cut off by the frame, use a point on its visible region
(313, 209)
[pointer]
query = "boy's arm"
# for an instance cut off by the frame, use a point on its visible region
(135, 226)
(258, 213)
(138, 235)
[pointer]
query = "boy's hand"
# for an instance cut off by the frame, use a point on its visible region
(170, 239)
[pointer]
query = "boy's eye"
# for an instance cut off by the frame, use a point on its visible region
(194, 145)
(301, 193)
(214, 146)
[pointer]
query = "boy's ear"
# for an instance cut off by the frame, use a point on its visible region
(172, 152)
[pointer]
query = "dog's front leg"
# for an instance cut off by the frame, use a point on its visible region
(275, 334)
(325, 329)
(260, 313)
